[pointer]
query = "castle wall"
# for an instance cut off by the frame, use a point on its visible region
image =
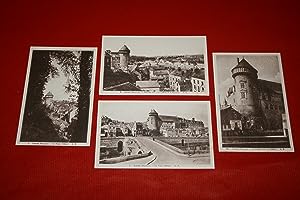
(273, 109)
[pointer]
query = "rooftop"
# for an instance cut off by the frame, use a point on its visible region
(245, 64)
(152, 111)
(49, 94)
(200, 74)
(168, 118)
(161, 72)
(127, 86)
(270, 86)
(147, 84)
(124, 48)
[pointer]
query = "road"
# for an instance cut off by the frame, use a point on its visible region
(164, 157)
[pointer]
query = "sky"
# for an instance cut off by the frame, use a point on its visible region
(57, 84)
(157, 46)
(266, 65)
(131, 111)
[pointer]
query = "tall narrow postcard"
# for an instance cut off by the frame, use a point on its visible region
(58, 97)
(251, 103)
(154, 134)
(156, 65)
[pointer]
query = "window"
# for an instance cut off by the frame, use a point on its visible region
(243, 95)
(242, 85)
(266, 106)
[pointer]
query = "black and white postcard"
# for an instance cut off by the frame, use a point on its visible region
(156, 65)
(58, 97)
(251, 103)
(154, 134)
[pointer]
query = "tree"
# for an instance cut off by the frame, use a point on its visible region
(77, 66)
(37, 126)
(86, 61)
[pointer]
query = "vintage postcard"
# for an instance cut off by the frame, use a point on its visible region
(252, 111)
(154, 134)
(58, 97)
(156, 65)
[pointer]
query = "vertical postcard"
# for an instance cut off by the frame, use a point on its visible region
(154, 134)
(58, 97)
(251, 103)
(156, 65)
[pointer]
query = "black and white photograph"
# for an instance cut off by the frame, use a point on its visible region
(154, 134)
(156, 65)
(251, 103)
(58, 97)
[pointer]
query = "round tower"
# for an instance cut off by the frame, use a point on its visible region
(124, 53)
(245, 79)
(153, 122)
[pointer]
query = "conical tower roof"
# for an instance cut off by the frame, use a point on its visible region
(153, 112)
(124, 48)
(245, 64)
(244, 67)
(49, 94)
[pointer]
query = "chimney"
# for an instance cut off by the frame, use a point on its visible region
(238, 60)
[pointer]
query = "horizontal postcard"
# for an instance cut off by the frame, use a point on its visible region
(156, 65)
(58, 97)
(154, 134)
(252, 111)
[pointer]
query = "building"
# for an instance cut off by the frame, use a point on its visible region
(127, 86)
(174, 79)
(137, 128)
(124, 54)
(178, 126)
(148, 85)
(158, 74)
(154, 122)
(173, 126)
(48, 98)
(192, 80)
(117, 60)
(198, 80)
(259, 102)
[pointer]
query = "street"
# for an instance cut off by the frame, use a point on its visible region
(165, 157)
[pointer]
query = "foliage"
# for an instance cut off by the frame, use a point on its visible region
(37, 126)
(114, 78)
(77, 66)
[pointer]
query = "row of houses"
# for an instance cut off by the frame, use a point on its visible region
(155, 75)
(161, 79)
(163, 125)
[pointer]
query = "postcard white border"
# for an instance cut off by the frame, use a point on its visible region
(103, 92)
(211, 165)
(32, 48)
(238, 149)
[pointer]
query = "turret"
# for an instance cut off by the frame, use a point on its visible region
(48, 98)
(124, 53)
(153, 122)
(245, 79)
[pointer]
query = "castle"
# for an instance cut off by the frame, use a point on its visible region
(167, 125)
(117, 60)
(252, 103)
